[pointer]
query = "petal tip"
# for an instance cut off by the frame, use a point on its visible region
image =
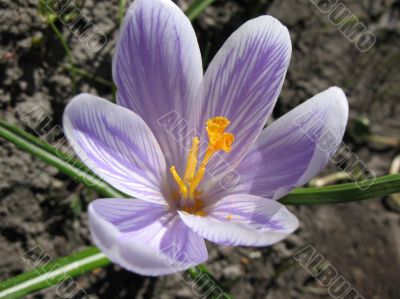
(339, 100)
(281, 32)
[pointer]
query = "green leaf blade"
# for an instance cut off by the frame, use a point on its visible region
(197, 7)
(57, 159)
(343, 193)
(54, 273)
(91, 258)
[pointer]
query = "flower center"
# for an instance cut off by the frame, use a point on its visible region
(218, 140)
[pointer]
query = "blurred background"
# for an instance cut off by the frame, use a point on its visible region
(41, 206)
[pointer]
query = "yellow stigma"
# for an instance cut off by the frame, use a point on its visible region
(218, 140)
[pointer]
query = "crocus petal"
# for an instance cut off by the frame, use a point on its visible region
(243, 219)
(117, 145)
(157, 68)
(144, 237)
(296, 147)
(243, 82)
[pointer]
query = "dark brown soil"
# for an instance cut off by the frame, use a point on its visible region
(41, 206)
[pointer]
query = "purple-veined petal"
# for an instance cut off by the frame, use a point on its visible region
(157, 68)
(243, 82)
(117, 145)
(296, 147)
(243, 219)
(144, 237)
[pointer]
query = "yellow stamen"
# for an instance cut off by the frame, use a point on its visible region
(218, 140)
(179, 181)
(196, 182)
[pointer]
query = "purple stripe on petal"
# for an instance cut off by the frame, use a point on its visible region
(144, 237)
(129, 215)
(243, 82)
(157, 68)
(243, 219)
(117, 145)
(294, 148)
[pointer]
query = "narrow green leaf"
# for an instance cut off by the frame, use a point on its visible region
(121, 11)
(58, 161)
(302, 196)
(67, 50)
(348, 192)
(45, 145)
(197, 7)
(204, 278)
(59, 272)
(90, 76)
(36, 280)
(342, 193)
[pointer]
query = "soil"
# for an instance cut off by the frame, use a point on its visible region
(39, 206)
